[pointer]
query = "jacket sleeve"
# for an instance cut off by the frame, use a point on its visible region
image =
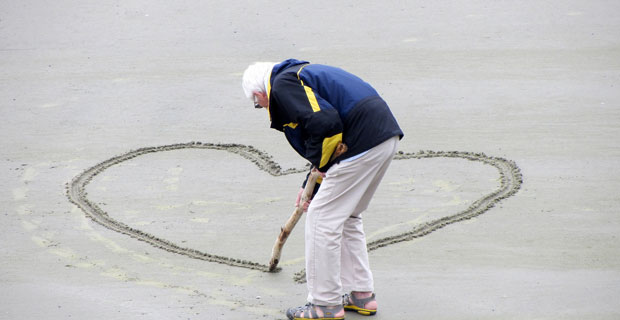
(319, 120)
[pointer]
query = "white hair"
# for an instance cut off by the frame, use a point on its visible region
(255, 77)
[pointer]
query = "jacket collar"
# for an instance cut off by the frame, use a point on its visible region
(274, 73)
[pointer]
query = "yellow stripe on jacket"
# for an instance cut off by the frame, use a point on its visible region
(329, 145)
(312, 98)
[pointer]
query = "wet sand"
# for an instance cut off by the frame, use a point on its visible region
(141, 184)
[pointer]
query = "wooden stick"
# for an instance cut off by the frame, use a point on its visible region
(294, 218)
(292, 221)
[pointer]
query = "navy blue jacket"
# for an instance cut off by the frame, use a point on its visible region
(318, 106)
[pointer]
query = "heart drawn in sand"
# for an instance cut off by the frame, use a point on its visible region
(509, 174)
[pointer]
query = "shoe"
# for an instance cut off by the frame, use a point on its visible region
(351, 303)
(310, 312)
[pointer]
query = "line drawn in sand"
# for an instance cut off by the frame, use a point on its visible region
(509, 173)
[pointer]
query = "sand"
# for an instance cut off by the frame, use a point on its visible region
(141, 184)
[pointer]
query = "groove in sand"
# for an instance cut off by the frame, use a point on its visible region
(510, 177)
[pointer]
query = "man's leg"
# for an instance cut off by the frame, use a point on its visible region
(355, 273)
(355, 268)
(346, 186)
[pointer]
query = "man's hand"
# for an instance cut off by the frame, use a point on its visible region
(340, 149)
(301, 191)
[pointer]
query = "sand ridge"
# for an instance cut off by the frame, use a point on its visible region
(510, 183)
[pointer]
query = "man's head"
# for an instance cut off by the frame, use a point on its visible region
(254, 83)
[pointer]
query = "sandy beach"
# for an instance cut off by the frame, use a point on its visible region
(140, 183)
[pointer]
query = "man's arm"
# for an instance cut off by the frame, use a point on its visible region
(319, 119)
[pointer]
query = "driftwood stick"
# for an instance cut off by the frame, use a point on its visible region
(292, 221)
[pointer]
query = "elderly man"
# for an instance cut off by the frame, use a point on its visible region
(318, 108)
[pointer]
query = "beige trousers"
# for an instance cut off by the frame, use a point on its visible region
(336, 254)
